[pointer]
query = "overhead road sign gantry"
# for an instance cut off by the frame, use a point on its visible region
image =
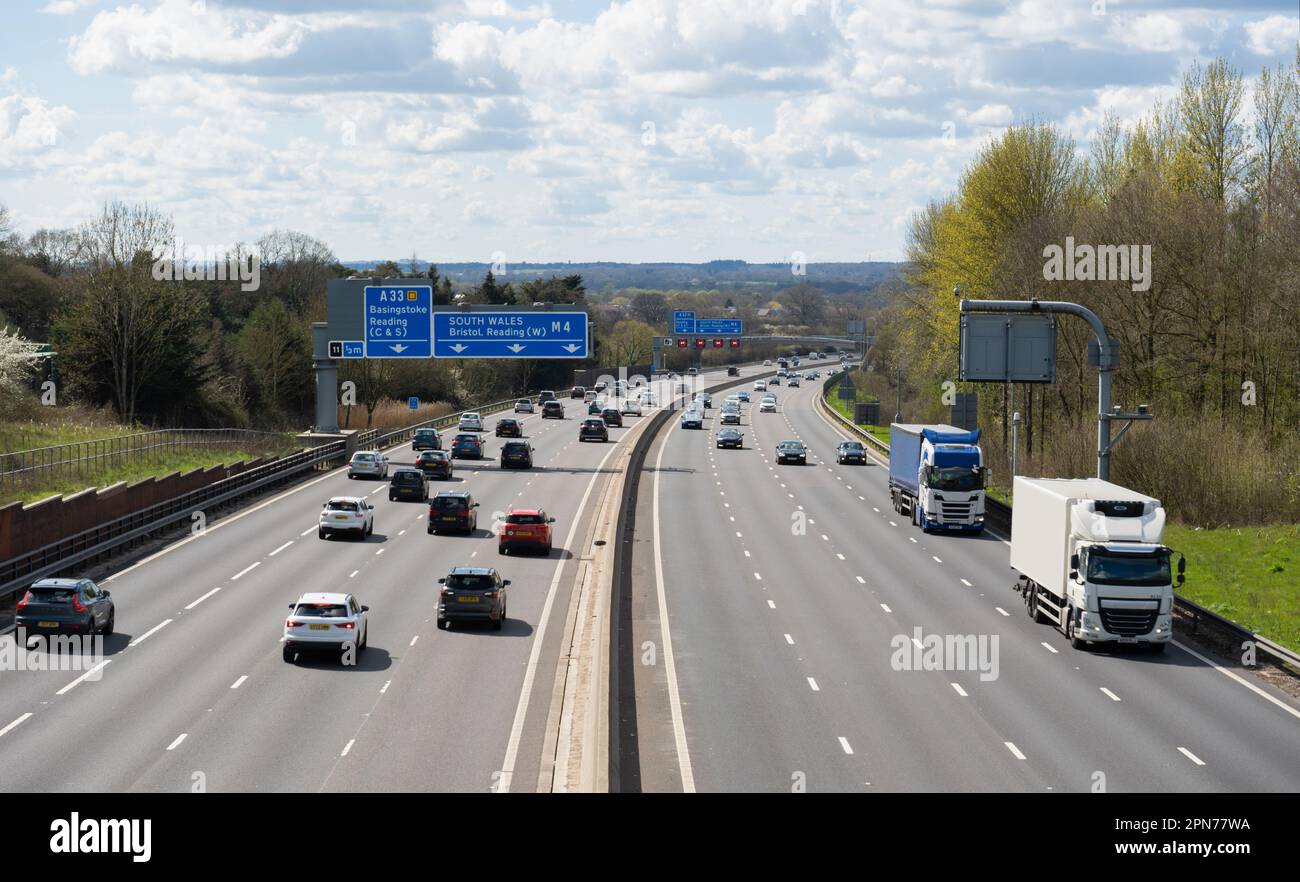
(684, 321)
(510, 334)
(719, 327)
(397, 321)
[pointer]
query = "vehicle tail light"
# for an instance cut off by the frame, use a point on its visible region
(77, 604)
(290, 623)
(490, 595)
(348, 625)
(22, 604)
(447, 592)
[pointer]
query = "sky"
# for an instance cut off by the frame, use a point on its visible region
(643, 130)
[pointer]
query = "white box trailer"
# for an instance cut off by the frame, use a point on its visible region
(1090, 560)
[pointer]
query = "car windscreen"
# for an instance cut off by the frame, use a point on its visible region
(524, 519)
(1150, 570)
(342, 506)
(851, 445)
(449, 503)
(322, 610)
(462, 582)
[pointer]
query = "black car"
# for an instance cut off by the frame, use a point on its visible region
(791, 451)
(728, 437)
(577, 392)
(435, 464)
(472, 594)
(593, 430)
(552, 410)
(517, 455)
(851, 451)
(65, 606)
(509, 428)
(453, 510)
(408, 484)
(612, 417)
(733, 372)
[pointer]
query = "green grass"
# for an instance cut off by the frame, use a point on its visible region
(165, 463)
(845, 409)
(16, 436)
(1250, 575)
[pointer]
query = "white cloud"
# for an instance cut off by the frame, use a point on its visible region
(1275, 35)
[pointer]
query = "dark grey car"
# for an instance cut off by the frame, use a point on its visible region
(66, 606)
(472, 594)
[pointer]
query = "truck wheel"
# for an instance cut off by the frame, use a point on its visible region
(1072, 635)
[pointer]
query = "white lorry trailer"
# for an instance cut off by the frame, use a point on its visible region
(1090, 561)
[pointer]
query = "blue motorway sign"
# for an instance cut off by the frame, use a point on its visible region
(684, 322)
(726, 327)
(347, 349)
(397, 321)
(413, 403)
(508, 334)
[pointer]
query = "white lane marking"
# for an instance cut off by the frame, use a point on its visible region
(147, 634)
(1015, 751)
(789, 639)
(177, 743)
(347, 747)
(967, 584)
(413, 639)
(1001, 610)
(864, 499)
(1049, 647)
(960, 691)
(936, 559)
(281, 548)
(758, 577)
(204, 597)
(379, 552)
(15, 724)
(844, 743)
(892, 524)
(738, 535)
(239, 682)
(813, 685)
(1191, 756)
(1227, 673)
(539, 638)
(747, 554)
(306, 531)
(861, 581)
(840, 556)
(245, 570)
(825, 538)
(1111, 695)
(886, 608)
(401, 532)
(771, 604)
(873, 508)
(384, 688)
(912, 539)
(353, 574)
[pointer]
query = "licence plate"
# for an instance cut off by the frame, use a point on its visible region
(340, 517)
(1128, 639)
(450, 519)
(468, 599)
(319, 627)
(47, 624)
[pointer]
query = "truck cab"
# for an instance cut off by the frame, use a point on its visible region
(937, 477)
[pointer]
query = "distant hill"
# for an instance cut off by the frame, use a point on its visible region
(723, 275)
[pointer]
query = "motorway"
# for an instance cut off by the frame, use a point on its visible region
(772, 596)
(194, 693)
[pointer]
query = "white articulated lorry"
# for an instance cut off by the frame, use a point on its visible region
(1090, 561)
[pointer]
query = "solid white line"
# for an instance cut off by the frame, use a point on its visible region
(14, 725)
(1111, 695)
(844, 743)
(886, 608)
(281, 548)
(960, 691)
(813, 684)
(789, 639)
(147, 634)
(245, 570)
(1001, 610)
(1191, 756)
(348, 747)
(239, 682)
(204, 597)
(1049, 647)
(1227, 673)
(1015, 751)
(177, 743)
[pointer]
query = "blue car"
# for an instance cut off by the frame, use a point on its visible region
(467, 446)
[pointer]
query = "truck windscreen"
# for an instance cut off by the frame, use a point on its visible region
(1105, 568)
(957, 478)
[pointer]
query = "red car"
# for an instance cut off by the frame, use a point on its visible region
(527, 528)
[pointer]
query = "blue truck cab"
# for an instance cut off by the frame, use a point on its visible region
(937, 476)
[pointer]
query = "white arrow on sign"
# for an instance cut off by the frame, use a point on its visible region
(458, 348)
(399, 348)
(516, 349)
(572, 347)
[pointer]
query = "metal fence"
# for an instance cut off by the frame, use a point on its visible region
(81, 458)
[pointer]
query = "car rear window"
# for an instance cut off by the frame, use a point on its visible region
(407, 478)
(516, 447)
(50, 594)
(425, 433)
(322, 610)
(433, 456)
(449, 503)
(461, 438)
(470, 582)
(552, 405)
(364, 457)
(342, 506)
(592, 423)
(524, 519)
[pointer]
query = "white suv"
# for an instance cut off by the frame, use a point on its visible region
(470, 421)
(760, 385)
(346, 514)
(325, 623)
(370, 463)
(768, 404)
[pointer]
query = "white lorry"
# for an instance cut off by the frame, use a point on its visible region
(1090, 561)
